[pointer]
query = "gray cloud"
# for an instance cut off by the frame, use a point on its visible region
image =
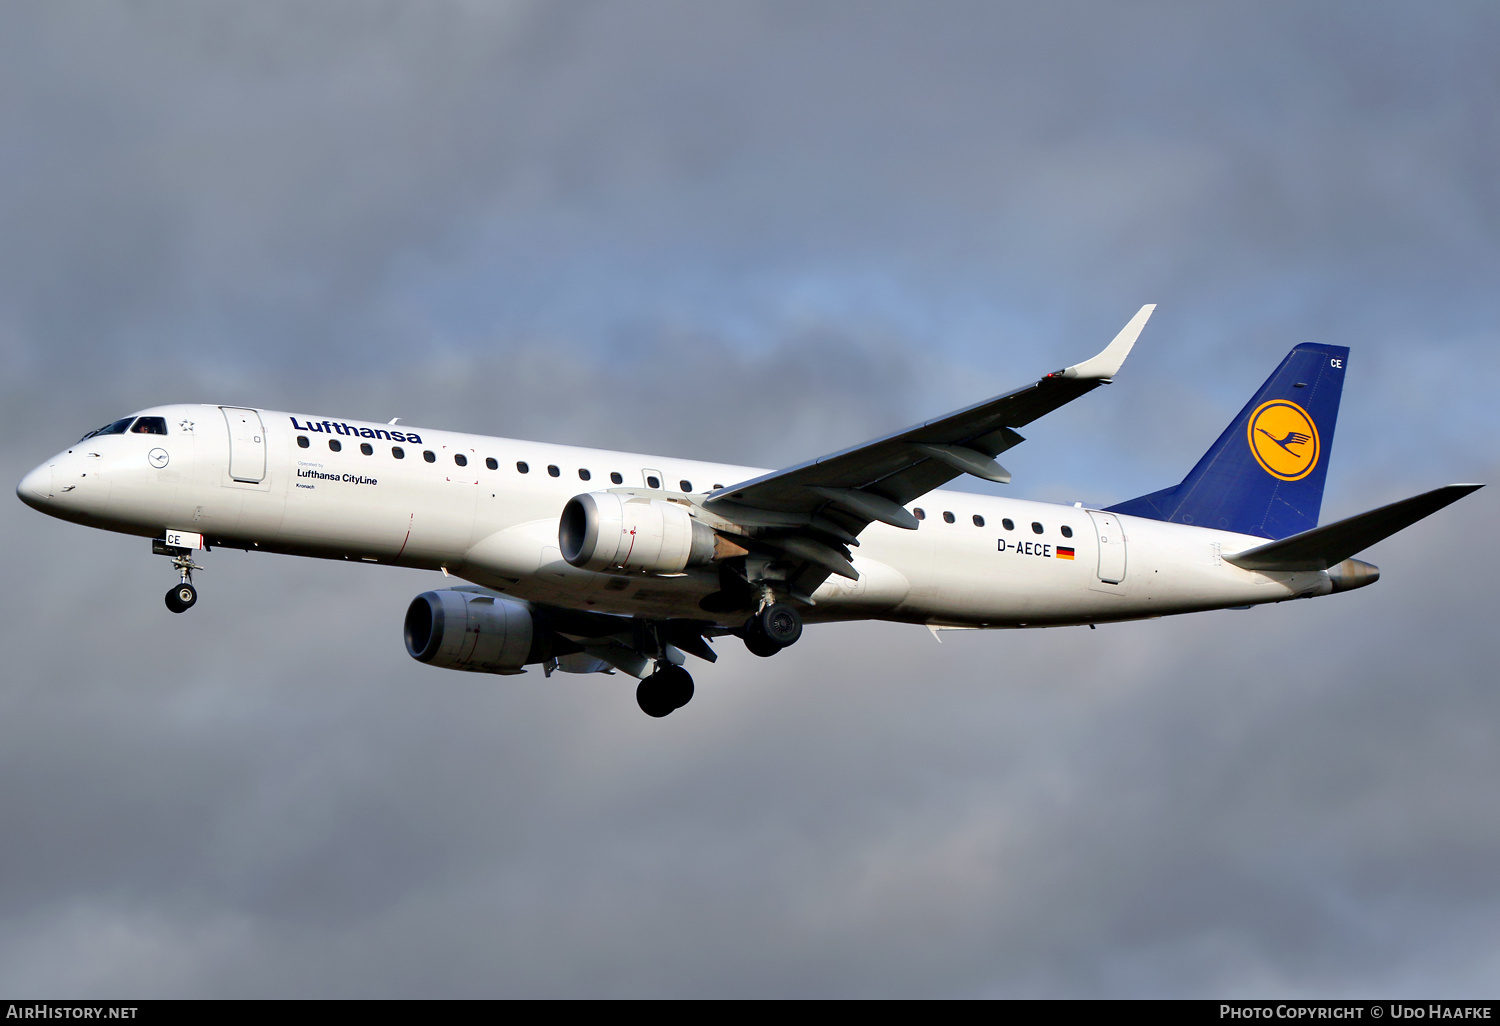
(661, 228)
(273, 799)
(361, 178)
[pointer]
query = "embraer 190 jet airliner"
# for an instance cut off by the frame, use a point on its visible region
(586, 560)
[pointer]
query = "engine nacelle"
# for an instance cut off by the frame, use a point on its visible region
(608, 531)
(1353, 573)
(461, 630)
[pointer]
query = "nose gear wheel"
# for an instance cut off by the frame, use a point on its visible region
(181, 598)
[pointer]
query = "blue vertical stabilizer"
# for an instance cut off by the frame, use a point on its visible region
(1264, 476)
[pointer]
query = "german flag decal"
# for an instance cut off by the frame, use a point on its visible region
(1063, 552)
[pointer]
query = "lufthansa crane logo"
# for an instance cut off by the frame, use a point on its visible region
(1284, 440)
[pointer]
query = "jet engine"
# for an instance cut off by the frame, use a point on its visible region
(461, 630)
(608, 531)
(1353, 573)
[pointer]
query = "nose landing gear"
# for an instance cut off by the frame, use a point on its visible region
(182, 597)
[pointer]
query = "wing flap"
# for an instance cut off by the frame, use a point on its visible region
(966, 461)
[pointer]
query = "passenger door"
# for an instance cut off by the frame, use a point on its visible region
(247, 445)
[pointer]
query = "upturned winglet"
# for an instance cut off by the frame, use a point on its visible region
(1108, 363)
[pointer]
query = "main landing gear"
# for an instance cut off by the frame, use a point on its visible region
(670, 688)
(667, 690)
(772, 629)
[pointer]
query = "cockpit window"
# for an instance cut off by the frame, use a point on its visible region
(117, 428)
(150, 426)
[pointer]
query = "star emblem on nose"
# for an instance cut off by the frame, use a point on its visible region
(186, 425)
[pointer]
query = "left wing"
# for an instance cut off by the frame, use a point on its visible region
(811, 512)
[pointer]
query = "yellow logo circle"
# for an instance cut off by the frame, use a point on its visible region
(1284, 439)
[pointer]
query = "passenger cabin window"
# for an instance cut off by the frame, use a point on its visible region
(1008, 524)
(686, 486)
(492, 463)
(615, 478)
(919, 513)
(978, 520)
(522, 468)
(460, 459)
(335, 445)
(553, 471)
(302, 442)
(652, 481)
(1067, 532)
(583, 475)
(367, 448)
(947, 517)
(150, 426)
(1036, 528)
(398, 452)
(429, 455)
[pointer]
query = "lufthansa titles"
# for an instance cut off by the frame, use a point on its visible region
(338, 427)
(357, 479)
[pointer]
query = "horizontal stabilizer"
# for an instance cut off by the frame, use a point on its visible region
(1331, 544)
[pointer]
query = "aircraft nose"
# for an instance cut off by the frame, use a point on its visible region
(35, 488)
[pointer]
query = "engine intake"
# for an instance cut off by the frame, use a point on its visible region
(460, 630)
(608, 531)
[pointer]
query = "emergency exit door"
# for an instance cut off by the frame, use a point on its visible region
(1111, 546)
(247, 445)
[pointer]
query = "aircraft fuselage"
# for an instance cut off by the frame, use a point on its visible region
(464, 504)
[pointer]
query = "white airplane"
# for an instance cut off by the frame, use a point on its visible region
(587, 560)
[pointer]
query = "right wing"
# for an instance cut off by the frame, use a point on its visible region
(812, 512)
(891, 471)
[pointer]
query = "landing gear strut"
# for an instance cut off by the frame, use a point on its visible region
(772, 629)
(181, 598)
(667, 690)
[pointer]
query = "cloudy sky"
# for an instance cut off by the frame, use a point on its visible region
(752, 232)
